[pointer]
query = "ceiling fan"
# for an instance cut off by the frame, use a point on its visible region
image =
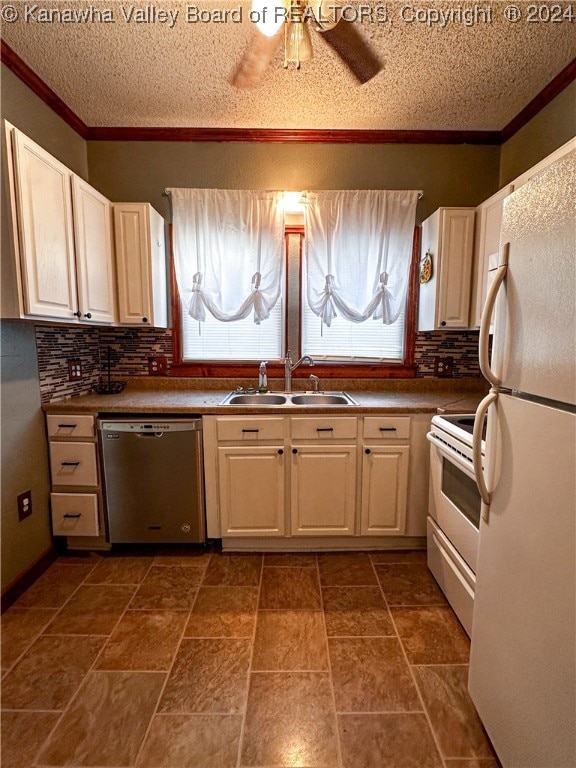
(289, 20)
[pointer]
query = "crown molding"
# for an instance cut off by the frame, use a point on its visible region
(280, 135)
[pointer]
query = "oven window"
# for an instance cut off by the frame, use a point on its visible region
(462, 492)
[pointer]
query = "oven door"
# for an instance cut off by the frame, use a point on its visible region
(455, 503)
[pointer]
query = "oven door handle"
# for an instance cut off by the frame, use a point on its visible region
(481, 411)
(452, 456)
(484, 336)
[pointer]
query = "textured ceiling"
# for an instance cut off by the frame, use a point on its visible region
(455, 77)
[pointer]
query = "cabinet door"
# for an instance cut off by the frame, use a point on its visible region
(384, 487)
(94, 255)
(487, 245)
(323, 490)
(457, 241)
(132, 237)
(44, 204)
(251, 488)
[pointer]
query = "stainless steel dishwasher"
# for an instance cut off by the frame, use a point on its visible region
(153, 479)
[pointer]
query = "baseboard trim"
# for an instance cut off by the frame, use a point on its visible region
(25, 580)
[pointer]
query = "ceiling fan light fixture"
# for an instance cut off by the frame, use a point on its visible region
(297, 40)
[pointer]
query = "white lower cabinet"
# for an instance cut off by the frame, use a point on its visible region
(384, 486)
(251, 487)
(317, 476)
(323, 490)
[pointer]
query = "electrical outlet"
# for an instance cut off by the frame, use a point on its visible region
(157, 366)
(24, 505)
(74, 370)
(443, 366)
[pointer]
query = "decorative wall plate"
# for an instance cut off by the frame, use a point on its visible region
(426, 268)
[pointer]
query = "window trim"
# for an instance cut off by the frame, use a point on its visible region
(333, 370)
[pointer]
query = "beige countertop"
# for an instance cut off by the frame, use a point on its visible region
(144, 397)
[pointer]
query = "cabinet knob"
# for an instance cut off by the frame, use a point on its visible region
(78, 314)
(144, 319)
(367, 451)
(294, 450)
(88, 315)
(280, 451)
(443, 322)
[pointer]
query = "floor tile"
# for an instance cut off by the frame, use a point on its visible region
(370, 674)
(290, 640)
(120, 570)
(387, 741)
(201, 741)
(278, 559)
(233, 570)
(352, 611)
(409, 584)
(107, 721)
(223, 612)
(290, 588)
(143, 640)
(54, 587)
(477, 763)
(23, 734)
(182, 555)
(168, 587)
(290, 721)
(346, 569)
(451, 711)
(208, 676)
(431, 635)
(50, 672)
(80, 558)
(399, 556)
(92, 610)
(19, 628)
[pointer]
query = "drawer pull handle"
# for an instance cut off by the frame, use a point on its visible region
(387, 429)
(324, 429)
(76, 515)
(70, 463)
(250, 430)
(67, 426)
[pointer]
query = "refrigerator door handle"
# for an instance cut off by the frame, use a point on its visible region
(490, 398)
(486, 320)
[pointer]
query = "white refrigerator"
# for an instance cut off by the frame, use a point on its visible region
(523, 655)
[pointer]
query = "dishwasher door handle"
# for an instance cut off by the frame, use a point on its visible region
(148, 434)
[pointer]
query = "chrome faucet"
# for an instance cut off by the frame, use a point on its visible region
(289, 366)
(315, 381)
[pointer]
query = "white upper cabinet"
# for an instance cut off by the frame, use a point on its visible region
(486, 249)
(62, 267)
(141, 265)
(444, 302)
(42, 188)
(94, 253)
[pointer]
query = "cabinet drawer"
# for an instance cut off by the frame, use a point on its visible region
(387, 427)
(324, 427)
(74, 514)
(73, 463)
(70, 426)
(251, 428)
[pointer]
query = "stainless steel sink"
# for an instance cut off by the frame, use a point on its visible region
(323, 398)
(262, 400)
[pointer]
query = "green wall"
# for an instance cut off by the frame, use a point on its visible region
(24, 460)
(448, 174)
(549, 129)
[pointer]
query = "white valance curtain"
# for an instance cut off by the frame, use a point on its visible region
(228, 251)
(358, 250)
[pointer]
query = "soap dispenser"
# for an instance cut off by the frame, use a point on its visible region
(262, 379)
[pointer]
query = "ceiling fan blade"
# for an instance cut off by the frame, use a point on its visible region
(251, 69)
(354, 51)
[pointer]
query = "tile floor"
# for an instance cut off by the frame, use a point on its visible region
(216, 660)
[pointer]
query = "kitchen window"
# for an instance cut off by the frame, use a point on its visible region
(368, 347)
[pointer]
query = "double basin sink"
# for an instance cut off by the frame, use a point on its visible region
(317, 399)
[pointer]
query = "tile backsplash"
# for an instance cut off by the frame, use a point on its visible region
(130, 349)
